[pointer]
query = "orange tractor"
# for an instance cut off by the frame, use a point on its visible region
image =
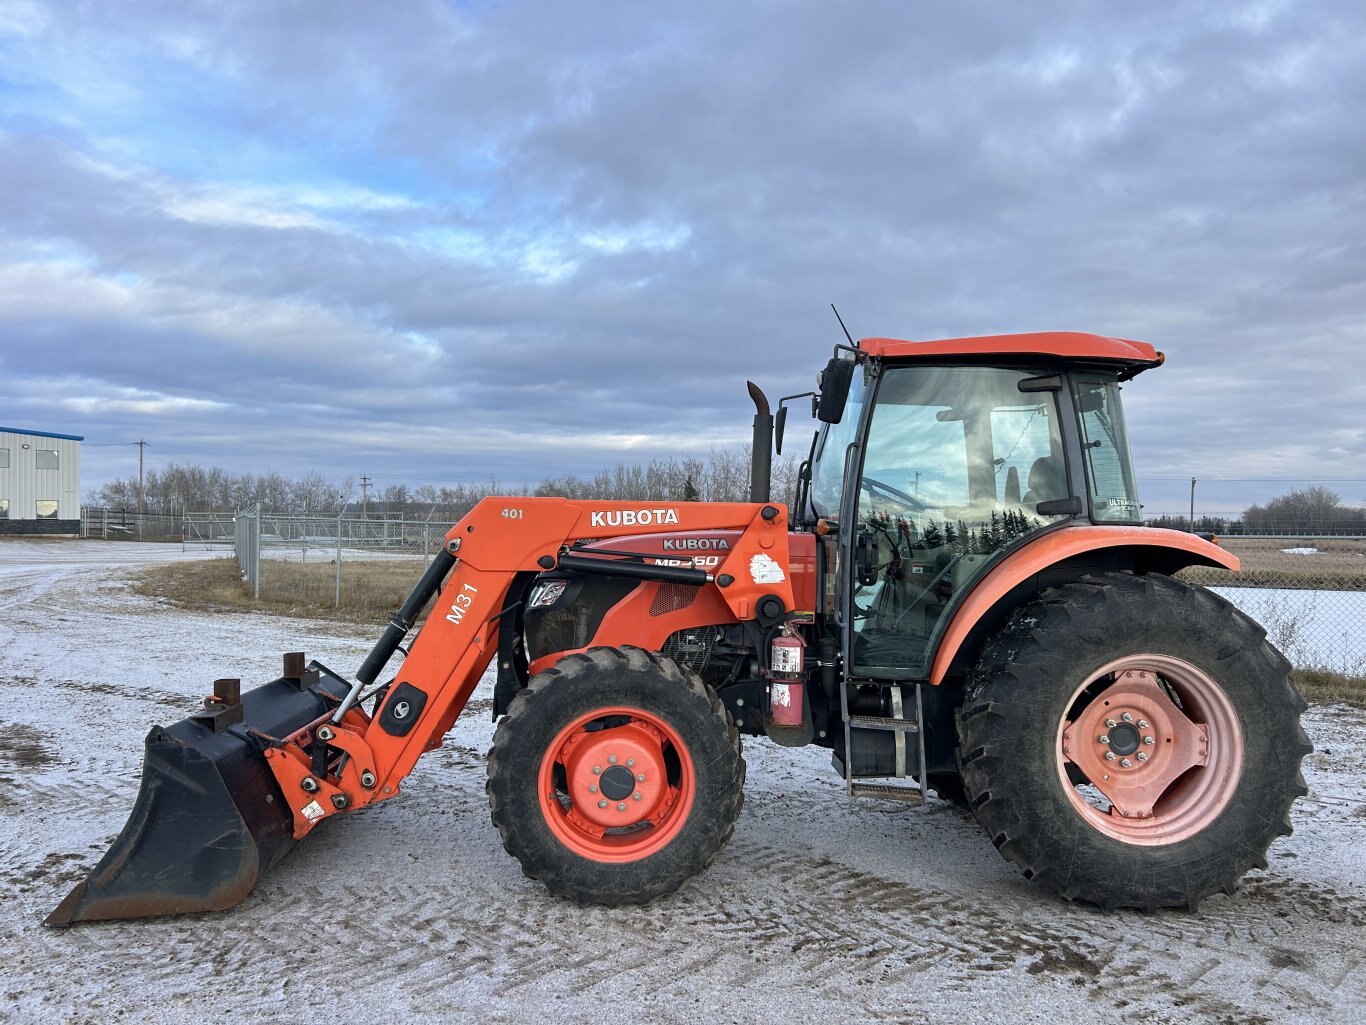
(962, 599)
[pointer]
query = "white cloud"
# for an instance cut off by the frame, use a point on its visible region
(649, 237)
(23, 18)
(277, 206)
(546, 261)
(95, 397)
(237, 206)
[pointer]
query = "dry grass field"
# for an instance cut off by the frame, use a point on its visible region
(370, 591)
(1335, 565)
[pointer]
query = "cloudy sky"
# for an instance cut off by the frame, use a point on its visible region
(432, 241)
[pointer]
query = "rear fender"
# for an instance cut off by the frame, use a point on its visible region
(1138, 549)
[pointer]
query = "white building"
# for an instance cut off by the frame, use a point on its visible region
(40, 482)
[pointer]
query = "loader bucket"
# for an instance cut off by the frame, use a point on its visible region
(209, 818)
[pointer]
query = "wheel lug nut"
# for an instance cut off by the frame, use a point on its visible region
(636, 796)
(621, 807)
(1126, 763)
(1126, 716)
(602, 804)
(1142, 756)
(630, 763)
(1111, 723)
(1104, 738)
(1143, 724)
(597, 770)
(1149, 741)
(1110, 756)
(612, 759)
(640, 777)
(593, 788)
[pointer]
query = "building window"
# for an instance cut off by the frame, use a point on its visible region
(46, 508)
(4, 459)
(45, 459)
(4, 508)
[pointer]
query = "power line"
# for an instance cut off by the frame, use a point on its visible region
(1310, 478)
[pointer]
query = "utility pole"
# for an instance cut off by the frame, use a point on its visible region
(141, 504)
(364, 493)
(141, 445)
(1192, 521)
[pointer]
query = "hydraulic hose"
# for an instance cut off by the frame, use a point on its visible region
(398, 628)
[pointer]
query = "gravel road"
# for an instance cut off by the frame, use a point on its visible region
(822, 908)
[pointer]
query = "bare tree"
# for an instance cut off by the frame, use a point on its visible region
(1313, 509)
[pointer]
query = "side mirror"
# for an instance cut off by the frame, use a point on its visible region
(835, 382)
(780, 418)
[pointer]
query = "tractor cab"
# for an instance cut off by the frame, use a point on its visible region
(942, 458)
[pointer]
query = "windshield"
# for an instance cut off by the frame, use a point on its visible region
(1109, 470)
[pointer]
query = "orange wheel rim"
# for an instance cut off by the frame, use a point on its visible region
(616, 785)
(1160, 747)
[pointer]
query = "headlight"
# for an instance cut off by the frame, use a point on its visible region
(547, 592)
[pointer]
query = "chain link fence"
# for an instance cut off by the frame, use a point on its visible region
(130, 525)
(1308, 592)
(358, 564)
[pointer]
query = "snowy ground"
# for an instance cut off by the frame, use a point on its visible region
(821, 909)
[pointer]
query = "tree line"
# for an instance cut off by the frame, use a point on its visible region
(177, 488)
(1312, 510)
(721, 477)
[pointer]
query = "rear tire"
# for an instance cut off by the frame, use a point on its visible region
(615, 777)
(949, 787)
(1132, 742)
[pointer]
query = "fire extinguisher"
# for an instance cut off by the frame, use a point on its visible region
(787, 678)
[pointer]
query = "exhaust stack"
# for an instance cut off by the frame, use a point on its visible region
(761, 451)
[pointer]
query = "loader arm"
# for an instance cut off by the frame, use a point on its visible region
(372, 755)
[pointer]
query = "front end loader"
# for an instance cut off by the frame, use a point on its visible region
(961, 599)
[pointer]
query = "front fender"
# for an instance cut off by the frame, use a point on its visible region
(1154, 550)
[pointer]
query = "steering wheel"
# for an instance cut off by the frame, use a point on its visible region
(874, 487)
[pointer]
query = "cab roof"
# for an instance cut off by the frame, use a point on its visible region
(1070, 345)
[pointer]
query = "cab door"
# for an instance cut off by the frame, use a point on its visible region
(951, 473)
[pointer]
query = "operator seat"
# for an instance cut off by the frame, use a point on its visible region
(1046, 481)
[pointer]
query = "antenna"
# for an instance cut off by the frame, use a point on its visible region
(841, 320)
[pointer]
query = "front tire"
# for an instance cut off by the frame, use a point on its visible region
(1132, 742)
(615, 777)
